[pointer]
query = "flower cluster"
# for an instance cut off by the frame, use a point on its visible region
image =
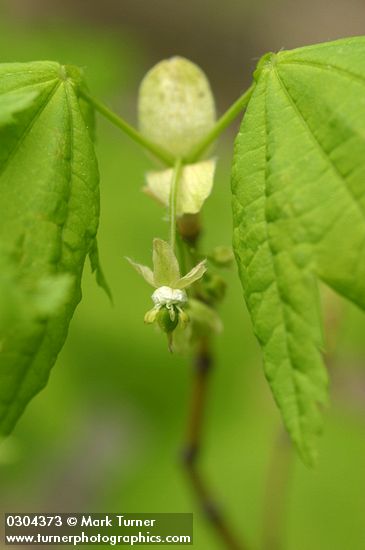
(170, 297)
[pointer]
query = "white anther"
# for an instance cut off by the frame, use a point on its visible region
(166, 296)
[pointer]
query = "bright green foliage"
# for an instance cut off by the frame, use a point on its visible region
(13, 102)
(299, 214)
(49, 214)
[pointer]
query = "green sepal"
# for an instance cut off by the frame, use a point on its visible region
(166, 270)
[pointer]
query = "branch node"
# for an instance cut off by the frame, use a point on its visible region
(189, 455)
(203, 363)
(212, 511)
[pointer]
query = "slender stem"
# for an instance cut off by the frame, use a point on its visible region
(156, 150)
(173, 200)
(276, 493)
(226, 119)
(189, 231)
(202, 367)
(203, 360)
(282, 457)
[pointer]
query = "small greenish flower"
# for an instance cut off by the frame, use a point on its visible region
(170, 296)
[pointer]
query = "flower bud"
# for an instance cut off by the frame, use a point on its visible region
(214, 287)
(204, 320)
(222, 256)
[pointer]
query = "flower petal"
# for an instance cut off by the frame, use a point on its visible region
(143, 270)
(165, 266)
(194, 275)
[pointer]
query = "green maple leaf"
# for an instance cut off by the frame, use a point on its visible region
(49, 213)
(299, 214)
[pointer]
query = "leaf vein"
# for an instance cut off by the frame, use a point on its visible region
(318, 144)
(29, 127)
(283, 316)
(327, 67)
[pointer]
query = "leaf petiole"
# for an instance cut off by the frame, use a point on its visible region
(160, 153)
(225, 120)
(167, 158)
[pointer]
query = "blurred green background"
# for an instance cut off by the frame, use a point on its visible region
(106, 433)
